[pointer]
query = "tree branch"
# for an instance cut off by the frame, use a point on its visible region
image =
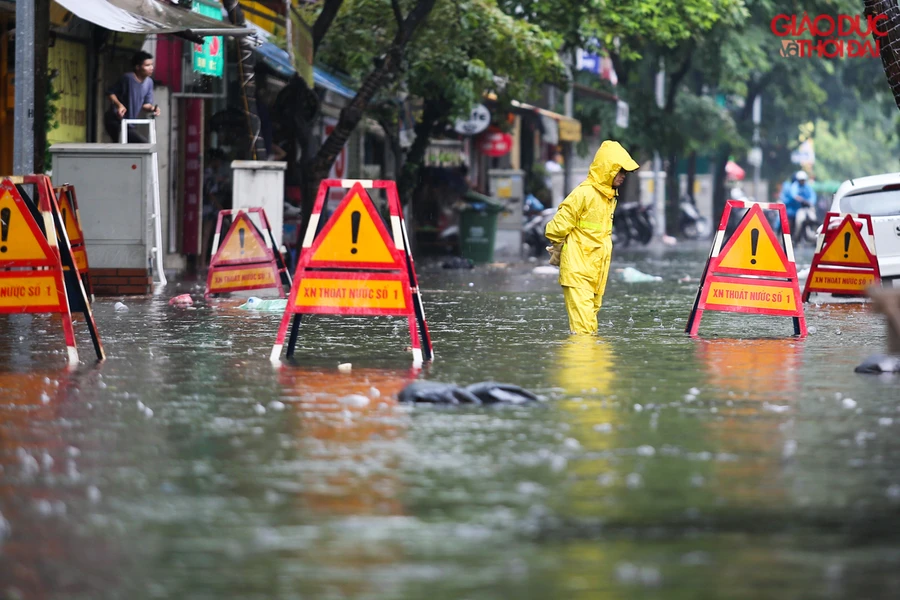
(398, 14)
(374, 81)
(677, 78)
(323, 23)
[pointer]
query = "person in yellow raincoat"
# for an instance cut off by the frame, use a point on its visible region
(583, 226)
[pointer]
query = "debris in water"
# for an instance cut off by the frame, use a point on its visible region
(273, 305)
(848, 403)
(488, 392)
(120, 307)
(345, 367)
(646, 450)
(93, 494)
(355, 400)
(632, 275)
(181, 301)
(276, 405)
(879, 363)
(259, 409)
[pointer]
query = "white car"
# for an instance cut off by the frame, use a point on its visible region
(879, 197)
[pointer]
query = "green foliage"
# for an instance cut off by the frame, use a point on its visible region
(855, 151)
(465, 49)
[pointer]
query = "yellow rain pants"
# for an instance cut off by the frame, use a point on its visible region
(583, 224)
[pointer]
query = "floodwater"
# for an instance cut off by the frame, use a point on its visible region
(746, 464)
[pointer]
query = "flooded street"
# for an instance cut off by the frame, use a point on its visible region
(745, 464)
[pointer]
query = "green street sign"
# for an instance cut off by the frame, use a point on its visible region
(209, 57)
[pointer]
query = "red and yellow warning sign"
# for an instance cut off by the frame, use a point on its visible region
(245, 261)
(753, 250)
(351, 294)
(355, 238)
(22, 243)
(243, 244)
(38, 271)
(29, 292)
(736, 294)
(355, 267)
(71, 220)
(843, 263)
(229, 279)
(753, 273)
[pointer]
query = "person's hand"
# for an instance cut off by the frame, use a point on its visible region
(156, 111)
(121, 110)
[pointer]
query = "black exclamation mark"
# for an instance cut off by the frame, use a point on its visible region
(846, 244)
(754, 242)
(355, 216)
(241, 236)
(5, 215)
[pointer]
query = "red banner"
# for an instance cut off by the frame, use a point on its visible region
(193, 176)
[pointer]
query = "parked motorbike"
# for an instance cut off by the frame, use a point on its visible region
(632, 223)
(692, 225)
(533, 231)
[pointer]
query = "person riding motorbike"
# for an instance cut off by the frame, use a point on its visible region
(797, 195)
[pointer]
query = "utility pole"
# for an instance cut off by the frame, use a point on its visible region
(23, 128)
(658, 189)
(29, 128)
(569, 100)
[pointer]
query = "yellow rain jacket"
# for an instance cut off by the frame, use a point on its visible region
(583, 224)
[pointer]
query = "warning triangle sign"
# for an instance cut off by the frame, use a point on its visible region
(753, 249)
(243, 244)
(847, 247)
(69, 218)
(21, 241)
(355, 237)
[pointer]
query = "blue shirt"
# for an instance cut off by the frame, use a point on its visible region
(795, 189)
(133, 94)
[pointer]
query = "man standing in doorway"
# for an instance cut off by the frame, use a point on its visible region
(129, 96)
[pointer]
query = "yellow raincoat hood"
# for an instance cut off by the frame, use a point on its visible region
(610, 157)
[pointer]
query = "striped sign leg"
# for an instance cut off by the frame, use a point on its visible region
(295, 331)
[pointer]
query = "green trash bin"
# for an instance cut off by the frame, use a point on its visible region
(478, 228)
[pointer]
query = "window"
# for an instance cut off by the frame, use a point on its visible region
(877, 203)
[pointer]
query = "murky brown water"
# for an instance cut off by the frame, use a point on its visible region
(744, 465)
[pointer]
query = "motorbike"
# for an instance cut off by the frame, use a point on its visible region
(692, 225)
(806, 225)
(533, 231)
(632, 223)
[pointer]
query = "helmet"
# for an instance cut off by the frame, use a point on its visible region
(801, 176)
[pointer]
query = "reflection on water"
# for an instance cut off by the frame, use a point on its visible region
(659, 466)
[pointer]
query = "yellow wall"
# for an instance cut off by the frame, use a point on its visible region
(69, 59)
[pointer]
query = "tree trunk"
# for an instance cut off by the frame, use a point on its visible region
(720, 192)
(435, 112)
(247, 72)
(672, 212)
(890, 44)
(692, 175)
(386, 67)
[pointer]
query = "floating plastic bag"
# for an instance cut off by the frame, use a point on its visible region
(632, 275)
(254, 303)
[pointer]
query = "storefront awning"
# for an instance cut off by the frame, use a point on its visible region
(569, 128)
(278, 60)
(147, 17)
